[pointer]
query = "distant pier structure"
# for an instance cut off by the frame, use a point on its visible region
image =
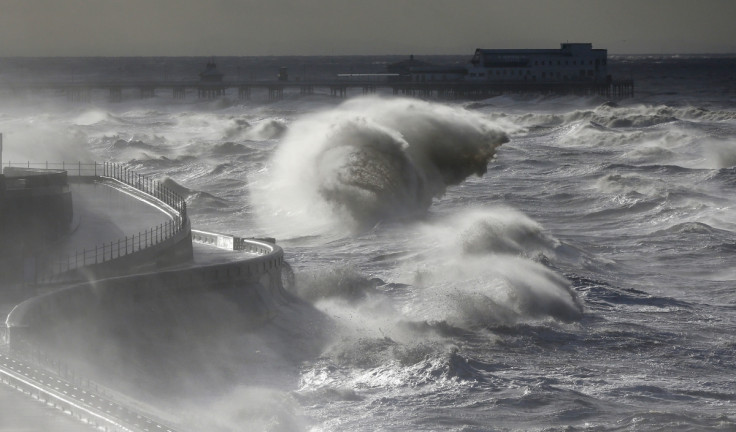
(574, 69)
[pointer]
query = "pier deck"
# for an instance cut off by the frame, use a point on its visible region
(117, 91)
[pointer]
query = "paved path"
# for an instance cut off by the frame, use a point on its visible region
(77, 400)
(21, 413)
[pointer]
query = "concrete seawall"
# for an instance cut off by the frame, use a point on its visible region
(257, 280)
(141, 333)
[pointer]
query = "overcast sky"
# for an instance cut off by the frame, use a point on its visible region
(336, 27)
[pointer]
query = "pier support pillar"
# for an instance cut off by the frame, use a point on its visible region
(275, 93)
(179, 92)
(210, 92)
(244, 92)
(338, 91)
(78, 94)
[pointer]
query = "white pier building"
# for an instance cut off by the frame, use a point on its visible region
(573, 62)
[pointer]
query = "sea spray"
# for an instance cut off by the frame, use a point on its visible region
(372, 159)
(484, 267)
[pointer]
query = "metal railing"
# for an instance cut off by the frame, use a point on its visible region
(49, 267)
(116, 249)
(146, 185)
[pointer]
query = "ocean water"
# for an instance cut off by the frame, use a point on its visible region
(515, 263)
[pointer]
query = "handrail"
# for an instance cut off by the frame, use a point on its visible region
(121, 247)
(115, 248)
(146, 185)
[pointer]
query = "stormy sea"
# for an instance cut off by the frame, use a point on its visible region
(521, 262)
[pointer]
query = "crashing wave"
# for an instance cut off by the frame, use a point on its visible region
(374, 159)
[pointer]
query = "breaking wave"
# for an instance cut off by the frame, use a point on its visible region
(486, 267)
(374, 159)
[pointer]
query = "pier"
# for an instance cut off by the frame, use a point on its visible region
(117, 91)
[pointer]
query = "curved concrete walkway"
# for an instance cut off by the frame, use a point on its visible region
(104, 212)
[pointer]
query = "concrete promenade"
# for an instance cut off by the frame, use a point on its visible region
(123, 221)
(104, 212)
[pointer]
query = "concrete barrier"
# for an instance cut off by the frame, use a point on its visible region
(259, 246)
(255, 280)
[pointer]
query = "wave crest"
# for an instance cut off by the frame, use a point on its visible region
(373, 159)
